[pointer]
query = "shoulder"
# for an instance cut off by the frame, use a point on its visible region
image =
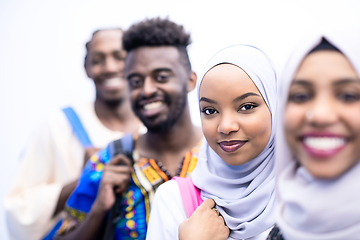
(169, 189)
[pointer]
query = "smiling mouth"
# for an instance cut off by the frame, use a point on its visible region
(323, 146)
(153, 105)
(231, 146)
(112, 82)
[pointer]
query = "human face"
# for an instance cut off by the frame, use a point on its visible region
(236, 121)
(105, 65)
(322, 116)
(158, 86)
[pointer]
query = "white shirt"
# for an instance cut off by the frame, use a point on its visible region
(168, 211)
(53, 158)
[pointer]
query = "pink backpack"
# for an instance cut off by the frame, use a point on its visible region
(189, 193)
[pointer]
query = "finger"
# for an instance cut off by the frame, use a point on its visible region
(115, 179)
(208, 204)
(118, 169)
(120, 159)
(223, 220)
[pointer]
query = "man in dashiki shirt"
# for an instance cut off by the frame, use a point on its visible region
(159, 74)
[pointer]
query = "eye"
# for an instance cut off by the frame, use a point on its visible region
(209, 111)
(96, 61)
(247, 106)
(120, 56)
(299, 97)
(348, 97)
(135, 82)
(162, 78)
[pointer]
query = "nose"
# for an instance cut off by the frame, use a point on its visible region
(228, 123)
(149, 87)
(324, 112)
(113, 66)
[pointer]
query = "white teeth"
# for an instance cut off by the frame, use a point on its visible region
(112, 82)
(324, 143)
(153, 105)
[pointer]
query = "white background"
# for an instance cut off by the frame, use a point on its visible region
(42, 49)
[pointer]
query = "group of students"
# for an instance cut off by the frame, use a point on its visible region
(279, 158)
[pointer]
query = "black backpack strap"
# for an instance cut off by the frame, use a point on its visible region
(124, 145)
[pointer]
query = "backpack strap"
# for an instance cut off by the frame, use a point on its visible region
(124, 145)
(190, 194)
(77, 127)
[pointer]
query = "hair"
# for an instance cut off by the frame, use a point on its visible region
(87, 45)
(158, 32)
(324, 45)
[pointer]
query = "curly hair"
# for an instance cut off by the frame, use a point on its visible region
(158, 32)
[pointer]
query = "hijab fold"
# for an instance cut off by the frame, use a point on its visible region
(311, 208)
(244, 194)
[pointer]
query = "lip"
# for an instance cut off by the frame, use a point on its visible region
(231, 146)
(320, 152)
(149, 113)
(113, 83)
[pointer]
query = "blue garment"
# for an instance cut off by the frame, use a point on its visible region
(134, 210)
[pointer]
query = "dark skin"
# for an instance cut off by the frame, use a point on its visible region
(105, 60)
(169, 147)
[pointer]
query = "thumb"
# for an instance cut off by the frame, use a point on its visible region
(120, 159)
(208, 203)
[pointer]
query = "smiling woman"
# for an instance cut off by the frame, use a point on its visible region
(318, 162)
(235, 169)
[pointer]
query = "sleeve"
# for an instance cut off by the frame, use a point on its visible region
(30, 203)
(81, 200)
(167, 212)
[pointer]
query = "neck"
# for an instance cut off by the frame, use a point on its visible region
(116, 117)
(182, 135)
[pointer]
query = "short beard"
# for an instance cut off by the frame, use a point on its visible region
(114, 103)
(172, 117)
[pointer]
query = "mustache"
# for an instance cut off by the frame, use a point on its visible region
(164, 96)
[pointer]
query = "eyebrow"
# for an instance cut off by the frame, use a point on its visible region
(336, 83)
(204, 99)
(239, 98)
(157, 70)
(346, 81)
(301, 82)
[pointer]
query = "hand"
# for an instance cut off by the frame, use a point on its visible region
(204, 224)
(89, 152)
(115, 180)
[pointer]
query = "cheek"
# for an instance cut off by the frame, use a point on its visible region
(293, 118)
(259, 127)
(209, 128)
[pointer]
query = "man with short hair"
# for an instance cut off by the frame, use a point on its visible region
(55, 156)
(159, 73)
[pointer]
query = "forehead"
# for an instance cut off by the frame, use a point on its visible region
(325, 65)
(228, 79)
(146, 59)
(106, 41)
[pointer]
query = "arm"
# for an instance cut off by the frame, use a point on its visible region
(69, 188)
(115, 179)
(31, 200)
(204, 223)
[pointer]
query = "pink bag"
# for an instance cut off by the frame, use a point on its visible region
(189, 193)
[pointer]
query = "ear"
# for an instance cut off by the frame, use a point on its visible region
(192, 81)
(87, 70)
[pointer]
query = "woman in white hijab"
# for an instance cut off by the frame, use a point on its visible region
(318, 140)
(237, 97)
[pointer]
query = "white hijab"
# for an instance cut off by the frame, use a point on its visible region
(244, 194)
(310, 208)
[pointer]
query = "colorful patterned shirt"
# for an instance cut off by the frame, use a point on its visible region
(135, 205)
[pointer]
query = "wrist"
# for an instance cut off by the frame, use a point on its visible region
(97, 210)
